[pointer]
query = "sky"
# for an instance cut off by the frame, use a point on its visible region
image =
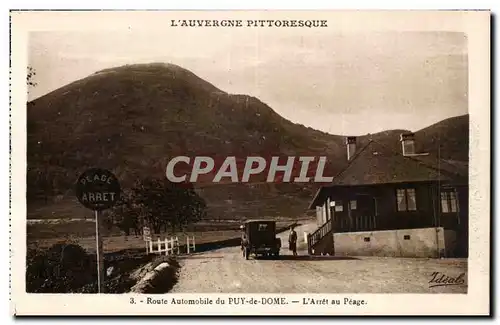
(334, 81)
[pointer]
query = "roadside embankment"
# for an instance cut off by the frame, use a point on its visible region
(158, 276)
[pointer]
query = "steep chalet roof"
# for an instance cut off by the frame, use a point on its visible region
(378, 164)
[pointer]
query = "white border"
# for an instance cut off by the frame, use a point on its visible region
(424, 4)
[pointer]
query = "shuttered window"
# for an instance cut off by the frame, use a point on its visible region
(449, 202)
(406, 199)
(411, 200)
(338, 206)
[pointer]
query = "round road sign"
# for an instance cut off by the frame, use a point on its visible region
(97, 189)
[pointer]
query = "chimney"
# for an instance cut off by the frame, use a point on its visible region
(351, 147)
(408, 143)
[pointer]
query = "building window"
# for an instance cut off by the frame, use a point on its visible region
(338, 206)
(449, 202)
(263, 226)
(406, 199)
(353, 204)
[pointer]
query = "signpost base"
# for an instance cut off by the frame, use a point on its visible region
(99, 252)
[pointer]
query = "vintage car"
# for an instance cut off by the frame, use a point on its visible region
(259, 238)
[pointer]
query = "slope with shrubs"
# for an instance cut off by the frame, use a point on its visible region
(68, 268)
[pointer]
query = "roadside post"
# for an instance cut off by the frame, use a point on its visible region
(98, 189)
(146, 236)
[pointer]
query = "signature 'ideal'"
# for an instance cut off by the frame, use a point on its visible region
(440, 279)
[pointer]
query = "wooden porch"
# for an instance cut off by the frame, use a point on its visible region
(388, 207)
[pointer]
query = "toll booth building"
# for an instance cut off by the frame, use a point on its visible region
(393, 203)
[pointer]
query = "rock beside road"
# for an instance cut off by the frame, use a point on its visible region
(157, 276)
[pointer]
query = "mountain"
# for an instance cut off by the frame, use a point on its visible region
(449, 139)
(133, 119)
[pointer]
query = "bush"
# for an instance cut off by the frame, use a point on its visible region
(68, 268)
(119, 284)
(60, 269)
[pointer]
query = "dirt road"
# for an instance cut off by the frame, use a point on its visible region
(226, 271)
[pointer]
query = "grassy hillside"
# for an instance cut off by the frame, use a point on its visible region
(133, 119)
(449, 138)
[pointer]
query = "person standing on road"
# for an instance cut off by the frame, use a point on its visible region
(243, 237)
(292, 241)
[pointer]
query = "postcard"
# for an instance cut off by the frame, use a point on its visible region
(314, 162)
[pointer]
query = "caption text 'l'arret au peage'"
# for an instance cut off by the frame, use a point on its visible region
(244, 300)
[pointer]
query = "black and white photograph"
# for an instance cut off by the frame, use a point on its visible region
(259, 153)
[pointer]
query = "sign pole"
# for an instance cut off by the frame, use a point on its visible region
(100, 264)
(98, 189)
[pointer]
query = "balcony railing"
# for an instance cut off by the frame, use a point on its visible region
(319, 234)
(357, 223)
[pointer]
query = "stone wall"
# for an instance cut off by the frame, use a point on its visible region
(423, 242)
